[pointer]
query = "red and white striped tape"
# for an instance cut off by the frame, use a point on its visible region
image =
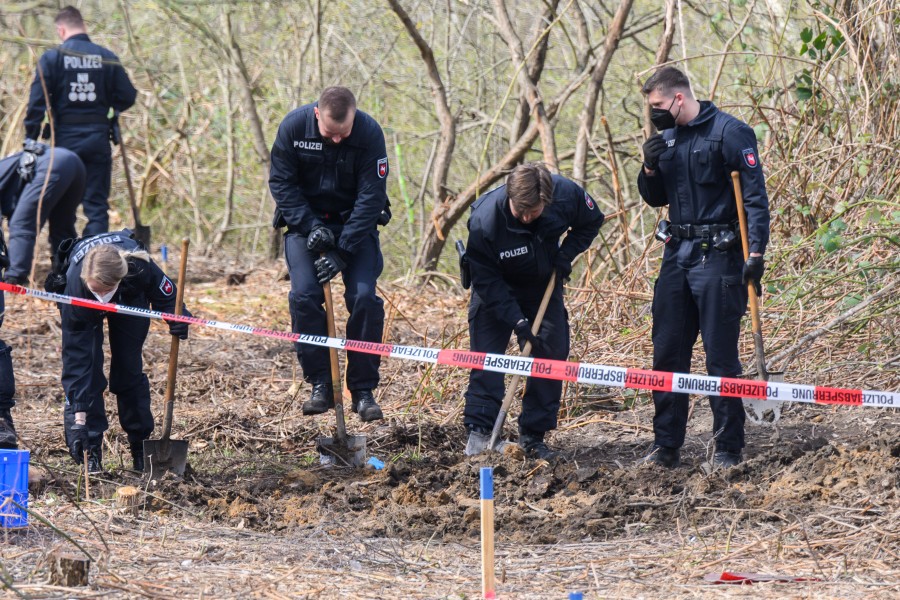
(586, 373)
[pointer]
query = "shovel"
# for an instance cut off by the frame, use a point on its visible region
(526, 351)
(350, 450)
(141, 231)
(166, 454)
(759, 411)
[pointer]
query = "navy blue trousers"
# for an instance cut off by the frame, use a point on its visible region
(484, 396)
(698, 292)
(7, 379)
(307, 305)
(91, 144)
(126, 378)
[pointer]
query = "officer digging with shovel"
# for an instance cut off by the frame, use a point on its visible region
(513, 250)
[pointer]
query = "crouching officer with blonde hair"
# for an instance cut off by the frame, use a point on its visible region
(514, 248)
(110, 267)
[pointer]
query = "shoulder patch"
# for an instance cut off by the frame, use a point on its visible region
(382, 167)
(589, 201)
(750, 158)
(166, 287)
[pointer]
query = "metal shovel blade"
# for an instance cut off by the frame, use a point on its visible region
(764, 412)
(352, 453)
(165, 456)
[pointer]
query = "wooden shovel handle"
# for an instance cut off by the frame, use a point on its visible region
(173, 349)
(336, 388)
(526, 351)
(751, 287)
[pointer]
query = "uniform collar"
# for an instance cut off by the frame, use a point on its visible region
(708, 111)
(78, 37)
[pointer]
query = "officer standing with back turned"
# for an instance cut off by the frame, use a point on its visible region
(702, 284)
(83, 81)
(328, 178)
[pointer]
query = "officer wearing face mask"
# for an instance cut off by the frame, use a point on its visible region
(110, 267)
(702, 284)
(328, 178)
(514, 247)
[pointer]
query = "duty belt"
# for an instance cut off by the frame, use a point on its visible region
(689, 231)
(76, 119)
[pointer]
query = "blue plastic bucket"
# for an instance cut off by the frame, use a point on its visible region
(13, 488)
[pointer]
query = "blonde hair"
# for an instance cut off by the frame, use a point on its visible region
(529, 186)
(108, 265)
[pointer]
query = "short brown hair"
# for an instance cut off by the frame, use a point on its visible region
(667, 79)
(529, 186)
(69, 16)
(337, 102)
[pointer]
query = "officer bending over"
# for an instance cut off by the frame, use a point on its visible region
(110, 267)
(702, 284)
(83, 81)
(329, 168)
(22, 177)
(513, 249)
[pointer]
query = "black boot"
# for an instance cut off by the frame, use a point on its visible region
(725, 460)
(364, 404)
(95, 460)
(8, 440)
(534, 446)
(663, 456)
(320, 400)
(137, 456)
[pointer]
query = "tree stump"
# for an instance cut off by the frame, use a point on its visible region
(69, 570)
(128, 498)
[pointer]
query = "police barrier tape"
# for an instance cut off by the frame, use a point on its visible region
(529, 367)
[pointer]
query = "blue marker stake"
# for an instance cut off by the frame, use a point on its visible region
(165, 252)
(487, 533)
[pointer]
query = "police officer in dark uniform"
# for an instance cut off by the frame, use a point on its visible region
(110, 267)
(328, 178)
(22, 177)
(702, 284)
(513, 249)
(83, 81)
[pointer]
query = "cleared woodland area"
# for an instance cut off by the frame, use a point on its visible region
(466, 90)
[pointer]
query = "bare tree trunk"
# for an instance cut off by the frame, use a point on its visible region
(230, 152)
(662, 55)
(535, 70)
(598, 73)
(535, 102)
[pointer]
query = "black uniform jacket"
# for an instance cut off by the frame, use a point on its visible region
(145, 283)
(510, 260)
(315, 183)
(83, 80)
(694, 175)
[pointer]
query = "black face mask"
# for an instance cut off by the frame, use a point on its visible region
(661, 117)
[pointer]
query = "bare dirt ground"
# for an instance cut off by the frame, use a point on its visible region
(257, 515)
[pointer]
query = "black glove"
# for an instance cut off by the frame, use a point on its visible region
(563, 267)
(523, 334)
(55, 283)
(33, 147)
(329, 266)
(179, 329)
(78, 440)
(320, 240)
(653, 149)
(4, 254)
(753, 271)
